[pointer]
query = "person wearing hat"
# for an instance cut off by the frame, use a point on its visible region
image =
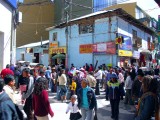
(8, 88)
(114, 95)
(73, 108)
(86, 100)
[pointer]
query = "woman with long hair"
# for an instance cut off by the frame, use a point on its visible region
(148, 105)
(41, 105)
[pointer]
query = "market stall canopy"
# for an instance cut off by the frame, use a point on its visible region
(60, 56)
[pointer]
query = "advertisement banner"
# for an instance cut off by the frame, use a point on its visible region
(87, 48)
(125, 49)
(108, 47)
(57, 50)
(127, 44)
(125, 53)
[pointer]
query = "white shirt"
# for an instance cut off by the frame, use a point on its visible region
(128, 83)
(72, 109)
(62, 79)
(91, 80)
(9, 92)
(98, 75)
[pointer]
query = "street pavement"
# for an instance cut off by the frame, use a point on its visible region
(104, 109)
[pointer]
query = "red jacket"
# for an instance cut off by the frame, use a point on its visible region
(5, 72)
(41, 105)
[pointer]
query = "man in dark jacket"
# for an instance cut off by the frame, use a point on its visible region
(86, 101)
(136, 86)
(7, 107)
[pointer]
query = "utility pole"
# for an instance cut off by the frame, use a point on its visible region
(66, 32)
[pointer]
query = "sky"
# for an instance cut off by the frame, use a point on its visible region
(149, 6)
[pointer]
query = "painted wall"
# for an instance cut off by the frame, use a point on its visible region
(126, 29)
(5, 33)
(43, 58)
(101, 34)
(104, 31)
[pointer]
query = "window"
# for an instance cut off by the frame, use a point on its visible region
(55, 36)
(83, 29)
(134, 33)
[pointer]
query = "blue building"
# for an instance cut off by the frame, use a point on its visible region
(92, 38)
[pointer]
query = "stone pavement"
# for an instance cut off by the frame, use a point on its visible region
(104, 109)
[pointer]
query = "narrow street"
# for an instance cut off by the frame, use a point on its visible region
(104, 110)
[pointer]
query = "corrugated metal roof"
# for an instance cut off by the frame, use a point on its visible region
(34, 44)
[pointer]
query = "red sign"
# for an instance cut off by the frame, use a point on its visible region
(87, 48)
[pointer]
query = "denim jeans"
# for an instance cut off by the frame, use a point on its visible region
(87, 114)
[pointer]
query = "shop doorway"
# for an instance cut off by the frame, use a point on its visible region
(36, 56)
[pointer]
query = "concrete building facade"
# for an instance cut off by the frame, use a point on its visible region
(7, 31)
(92, 38)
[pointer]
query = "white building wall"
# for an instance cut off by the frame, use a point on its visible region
(5, 33)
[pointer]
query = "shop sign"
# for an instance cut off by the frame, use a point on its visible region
(57, 50)
(53, 45)
(125, 53)
(136, 54)
(108, 47)
(87, 48)
(127, 44)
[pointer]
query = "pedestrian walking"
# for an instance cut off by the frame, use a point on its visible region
(98, 75)
(114, 96)
(73, 108)
(86, 100)
(62, 80)
(128, 87)
(73, 86)
(41, 105)
(6, 71)
(91, 79)
(27, 95)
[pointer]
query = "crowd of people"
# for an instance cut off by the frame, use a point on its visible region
(79, 87)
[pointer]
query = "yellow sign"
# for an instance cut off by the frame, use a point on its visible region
(125, 53)
(53, 45)
(57, 50)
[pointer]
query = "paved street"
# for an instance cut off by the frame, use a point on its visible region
(104, 110)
